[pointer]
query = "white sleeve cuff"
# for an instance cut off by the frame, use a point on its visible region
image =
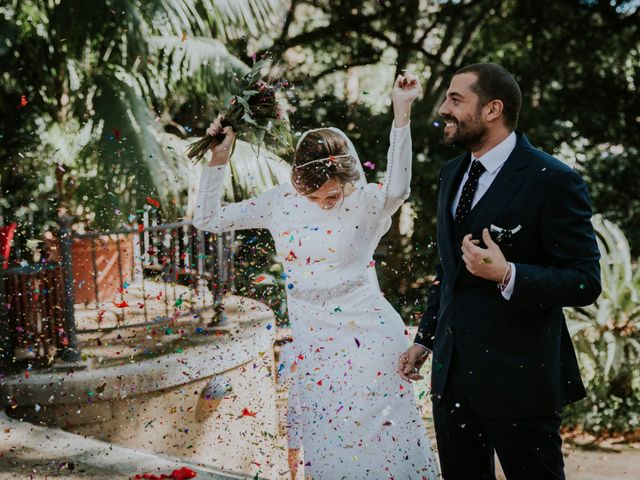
(508, 290)
(214, 169)
(393, 125)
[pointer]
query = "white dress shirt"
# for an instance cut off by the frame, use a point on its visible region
(492, 161)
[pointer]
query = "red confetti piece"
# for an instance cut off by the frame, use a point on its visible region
(23, 101)
(153, 202)
(121, 304)
(320, 383)
(183, 473)
(291, 257)
(247, 413)
(260, 279)
(116, 133)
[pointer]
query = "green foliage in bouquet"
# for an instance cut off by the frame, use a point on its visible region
(253, 111)
(607, 336)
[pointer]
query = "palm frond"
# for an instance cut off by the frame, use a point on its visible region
(194, 62)
(253, 171)
(175, 17)
(235, 18)
(126, 155)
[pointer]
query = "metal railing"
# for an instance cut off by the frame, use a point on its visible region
(37, 311)
(32, 310)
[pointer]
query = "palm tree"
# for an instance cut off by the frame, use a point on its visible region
(92, 87)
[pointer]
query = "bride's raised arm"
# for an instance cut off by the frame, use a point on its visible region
(209, 214)
(397, 179)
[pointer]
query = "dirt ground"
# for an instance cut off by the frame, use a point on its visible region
(603, 464)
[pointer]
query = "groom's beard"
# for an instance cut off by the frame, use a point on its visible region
(469, 134)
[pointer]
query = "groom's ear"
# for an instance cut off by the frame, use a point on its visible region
(494, 110)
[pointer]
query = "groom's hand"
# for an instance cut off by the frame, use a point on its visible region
(488, 263)
(411, 361)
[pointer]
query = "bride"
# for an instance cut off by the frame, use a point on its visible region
(349, 411)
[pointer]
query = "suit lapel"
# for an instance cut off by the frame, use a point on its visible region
(447, 237)
(501, 192)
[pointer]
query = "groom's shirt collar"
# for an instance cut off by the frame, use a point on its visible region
(495, 158)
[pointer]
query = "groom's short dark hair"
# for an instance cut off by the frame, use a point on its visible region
(496, 83)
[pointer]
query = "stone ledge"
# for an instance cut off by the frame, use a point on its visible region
(30, 451)
(235, 344)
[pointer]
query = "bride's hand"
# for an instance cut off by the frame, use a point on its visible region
(406, 89)
(220, 153)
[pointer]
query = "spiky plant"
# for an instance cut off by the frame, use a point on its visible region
(607, 336)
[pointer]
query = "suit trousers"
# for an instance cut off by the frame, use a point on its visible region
(528, 448)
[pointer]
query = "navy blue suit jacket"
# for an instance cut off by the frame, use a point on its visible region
(516, 356)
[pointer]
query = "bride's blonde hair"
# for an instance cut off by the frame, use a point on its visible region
(321, 155)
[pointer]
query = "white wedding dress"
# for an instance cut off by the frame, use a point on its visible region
(354, 417)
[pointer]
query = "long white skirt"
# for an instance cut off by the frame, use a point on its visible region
(354, 417)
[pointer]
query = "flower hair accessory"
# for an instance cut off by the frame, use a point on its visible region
(329, 159)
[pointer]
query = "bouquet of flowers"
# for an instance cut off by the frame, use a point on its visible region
(254, 111)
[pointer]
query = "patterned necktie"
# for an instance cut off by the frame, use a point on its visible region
(468, 191)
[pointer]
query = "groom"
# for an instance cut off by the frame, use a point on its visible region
(516, 245)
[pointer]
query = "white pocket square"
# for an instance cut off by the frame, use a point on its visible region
(505, 230)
